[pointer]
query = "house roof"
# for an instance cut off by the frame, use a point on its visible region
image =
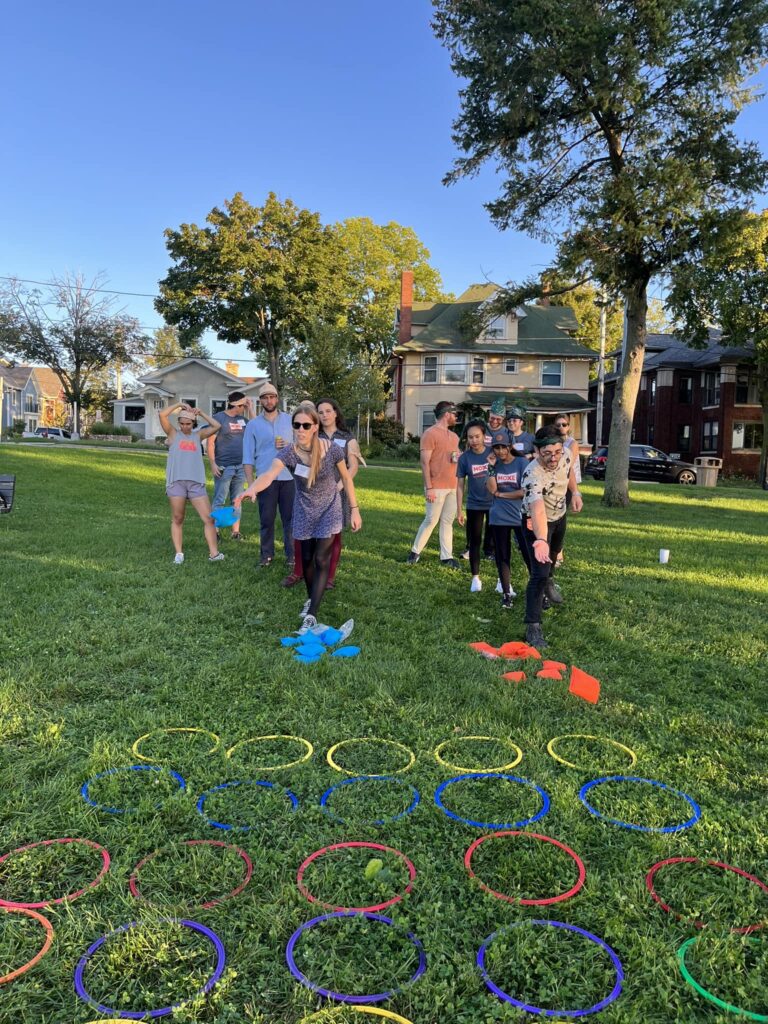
(541, 330)
(157, 374)
(16, 376)
(666, 350)
(535, 401)
(49, 383)
(142, 392)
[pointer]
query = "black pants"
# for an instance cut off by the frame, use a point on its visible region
(487, 541)
(279, 494)
(502, 539)
(475, 519)
(541, 571)
(316, 560)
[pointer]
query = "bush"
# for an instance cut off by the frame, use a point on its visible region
(17, 428)
(388, 432)
(100, 428)
(408, 451)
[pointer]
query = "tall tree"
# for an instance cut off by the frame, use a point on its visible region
(374, 256)
(259, 274)
(724, 283)
(71, 328)
(584, 300)
(167, 349)
(612, 124)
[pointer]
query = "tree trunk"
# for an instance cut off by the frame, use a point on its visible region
(617, 470)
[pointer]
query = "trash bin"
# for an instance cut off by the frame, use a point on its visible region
(7, 487)
(707, 469)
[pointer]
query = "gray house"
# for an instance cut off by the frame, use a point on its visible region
(192, 380)
(32, 394)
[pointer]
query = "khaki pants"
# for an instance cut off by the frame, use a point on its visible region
(443, 508)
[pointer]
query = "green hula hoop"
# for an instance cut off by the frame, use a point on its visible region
(309, 750)
(709, 996)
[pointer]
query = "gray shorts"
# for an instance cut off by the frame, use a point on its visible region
(186, 489)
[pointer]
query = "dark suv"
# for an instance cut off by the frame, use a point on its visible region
(645, 463)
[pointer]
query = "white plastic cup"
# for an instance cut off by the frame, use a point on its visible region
(663, 556)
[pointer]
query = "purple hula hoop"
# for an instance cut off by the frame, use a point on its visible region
(614, 994)
(340, 997)
(163, 1011)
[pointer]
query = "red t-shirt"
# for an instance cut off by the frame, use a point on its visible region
(443, 447)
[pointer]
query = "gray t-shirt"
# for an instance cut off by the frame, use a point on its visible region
(185, 458)
(229, 440)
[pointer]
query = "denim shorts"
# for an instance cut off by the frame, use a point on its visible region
(186, 489)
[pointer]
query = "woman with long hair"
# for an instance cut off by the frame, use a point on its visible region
(334, 429)
(473, 466)
(185, 474)
(317, 511)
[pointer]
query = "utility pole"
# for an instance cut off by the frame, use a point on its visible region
(2, 395)
(603, 303)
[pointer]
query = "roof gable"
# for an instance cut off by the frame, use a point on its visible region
(157, 375)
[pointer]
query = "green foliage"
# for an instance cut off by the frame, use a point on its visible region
(167, 348)
(387, 431)
(102, 427)
(18, 428)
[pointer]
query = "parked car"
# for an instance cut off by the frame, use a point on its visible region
(645, 463)
(51, 433)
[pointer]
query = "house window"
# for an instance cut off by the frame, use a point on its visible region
(551, 373)
(747, 436)
(652, 392)
(478, 370)
(190, 401)
(684, 437)
(31, 404)
(711, 432)
(426, 419)
(157, 404)
(746, 388)
(712, 388)
(218, 405)
(429, 370)
(496, 329)
(133, 413)
(510, 366)
(685, 390)
(455, 368)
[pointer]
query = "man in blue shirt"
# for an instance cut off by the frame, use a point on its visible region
(264, 436)
(225, 452)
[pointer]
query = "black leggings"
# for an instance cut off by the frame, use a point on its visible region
(502, 537)
(541, 571)
(316, 560)
(475, 520)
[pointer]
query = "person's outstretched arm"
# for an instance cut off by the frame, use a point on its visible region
(261, 483)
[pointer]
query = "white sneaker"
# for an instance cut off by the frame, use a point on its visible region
(179, 558)
(217, 558)
(499, 588)
(309, 623)
(476, 585)
(346, 629)
(305, 608)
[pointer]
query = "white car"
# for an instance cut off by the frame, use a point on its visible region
(51, 433)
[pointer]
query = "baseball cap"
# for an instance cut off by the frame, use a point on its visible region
(501, 437)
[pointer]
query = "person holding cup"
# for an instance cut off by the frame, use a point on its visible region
(439, 452)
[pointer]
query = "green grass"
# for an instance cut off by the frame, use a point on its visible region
(103, 639)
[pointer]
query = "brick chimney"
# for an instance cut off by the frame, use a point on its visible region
(233, 368)
(406, 307)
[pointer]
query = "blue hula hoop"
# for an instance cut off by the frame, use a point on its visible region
(628, 824)
(240, 782)
(85, 792)
(614, 994)
(545, 802)
(371, 778)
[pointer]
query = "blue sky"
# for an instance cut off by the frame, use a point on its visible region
(122, 120)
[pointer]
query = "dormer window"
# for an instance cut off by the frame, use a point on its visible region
(496, 329)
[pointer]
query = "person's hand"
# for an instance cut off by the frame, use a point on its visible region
(249, 405)
(185, 406)
(460, 517)
(356, 520)
(541, 551)
(240, 498)
(280, 442)
(197, 413)
(216, 469)
(577, 503)
(431, 496)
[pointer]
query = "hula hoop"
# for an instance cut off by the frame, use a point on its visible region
(105, 862)
(133, 881)
(585, 736)
(85, 792)
(154, 732)
(371, 778)
(745, 930)
(627, 824)
(48, 927)
(473, 771)
(277, 767)
(231, 785)
(495, 826)
(371, 739)
(344, 846)
(614, 994)
(710, 996)
(513, 899)
(341, 997)
(218, 970)
(374, 1011)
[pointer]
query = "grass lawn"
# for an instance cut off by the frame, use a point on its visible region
(103, 639)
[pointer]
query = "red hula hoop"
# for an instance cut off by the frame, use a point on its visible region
(514, 899)
(105, 862)
(133, 881)
(744, 930)
(43, 949)
(357, 845)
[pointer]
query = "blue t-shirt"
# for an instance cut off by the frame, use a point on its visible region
(523, 443)
(475, 469)
(506, 511)
(229, 440)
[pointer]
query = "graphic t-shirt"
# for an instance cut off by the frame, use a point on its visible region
(549, 486)
(475, 468)
(443, 447)
(229, 440)
(509, 477)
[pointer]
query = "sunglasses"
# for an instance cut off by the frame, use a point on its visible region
(303, 426)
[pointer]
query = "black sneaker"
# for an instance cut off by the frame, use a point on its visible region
(535, 637)
(236, 536)
(265, 563)
(506, 602)
(552, 592)
(449, 563)
(412, 558)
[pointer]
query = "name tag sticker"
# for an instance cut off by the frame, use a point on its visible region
(302, 471)
(340, 441)
(518, 446)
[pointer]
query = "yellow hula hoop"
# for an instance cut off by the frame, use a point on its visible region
(155, 732)
(585, 736)
(373, 1011)
(371, 739)
(277, 736)
(471, 771)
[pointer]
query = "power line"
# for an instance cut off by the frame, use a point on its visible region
(105, 291)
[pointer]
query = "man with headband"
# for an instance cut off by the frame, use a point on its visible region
(545, 483)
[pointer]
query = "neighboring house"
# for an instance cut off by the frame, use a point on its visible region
(532, 350)
(191, 380)
(695, 402)
(33, 394)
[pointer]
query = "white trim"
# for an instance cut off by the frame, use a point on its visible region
(135, 405)
(511, 359)
(559, 386)
(423, 368)
(189, 401)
